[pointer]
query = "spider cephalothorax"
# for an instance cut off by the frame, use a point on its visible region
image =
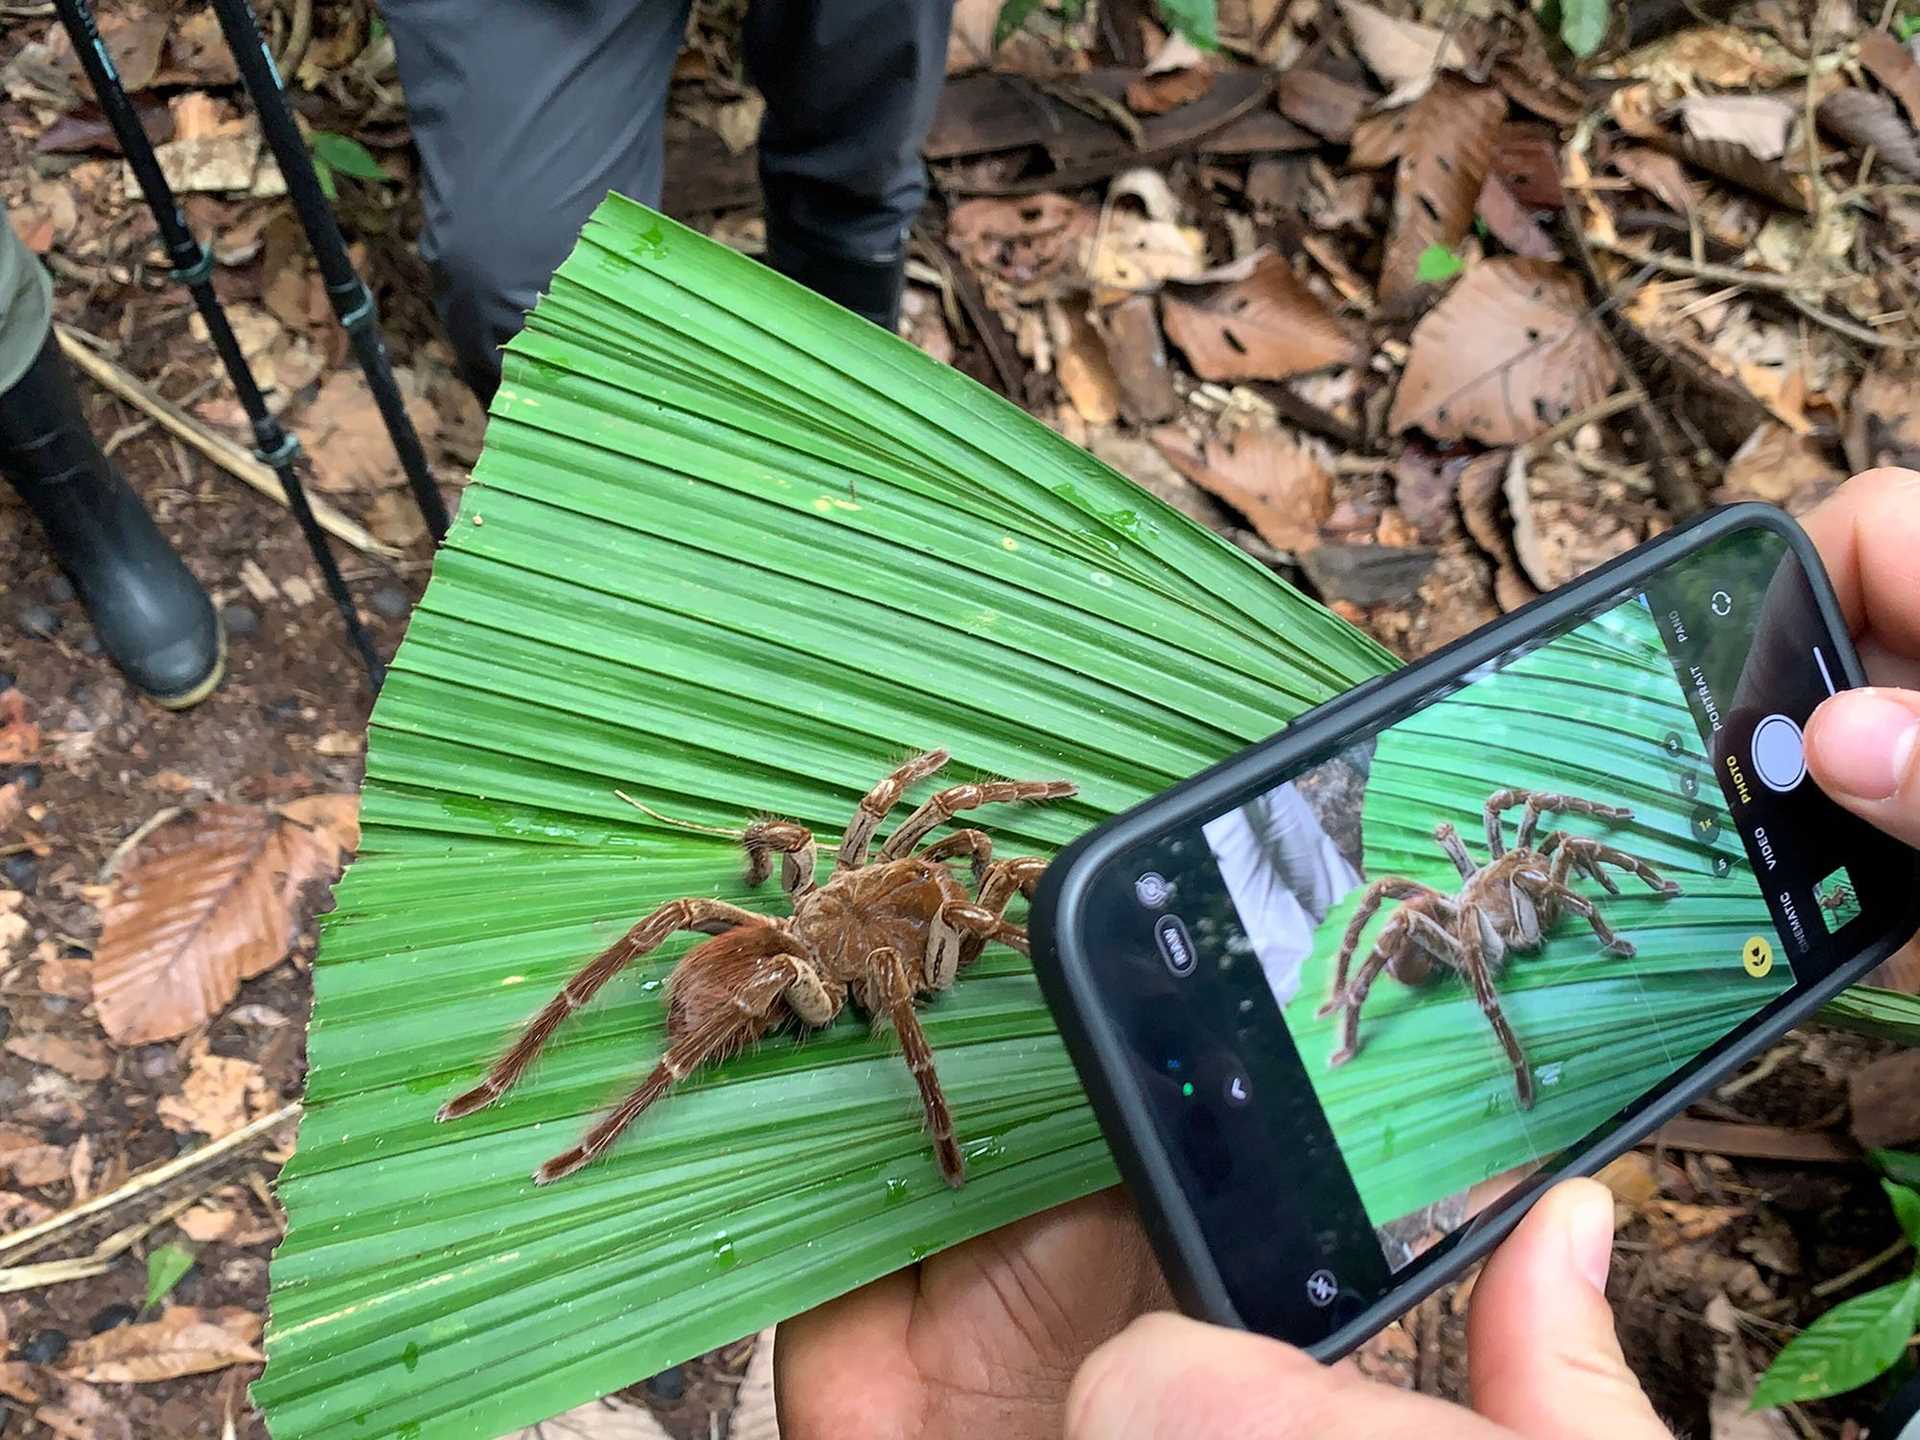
(1505, 906)
(879, 933)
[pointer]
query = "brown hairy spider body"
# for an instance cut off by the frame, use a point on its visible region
(879, 934)
(1503, 907)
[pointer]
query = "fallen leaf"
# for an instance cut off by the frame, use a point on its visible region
(13, 924)
(208, 900)
(1730, 1415)
(13, 799)
(219, 1095)
(216, 164)
(1726, 57)
(1513, 224)
(19, 736)
(1265, 474)
(1869, 121)
(394, 518)
(198, 116)
(1156, 94)
(70, 977)
(1403, 53)
(1328, 106)
(1777, 465)
(134, 38)
(37, 1166)
(1756, 123)
(197, 52)
(84, 1059)
(1445, 156)
(1507, 353)
(1081, 366)
(1138, 353)
(738, 123)
(347, 440)
(340, 742)
(185, 1340)
(47, 216)
(1656, 172)
(1022, 241)
(1633, 1178)
(608, 1419)
(1895, 67)
(84, 1414)
(1265, 327)
(19, 1211)
(1738, 165)
(16, 1376)
(1133, 251)
(206, 1223)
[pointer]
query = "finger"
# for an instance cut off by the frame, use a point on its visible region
(1169, 1378)
(843, 1368)
(1540, 1344)
(1861, 750)
(1868, 536)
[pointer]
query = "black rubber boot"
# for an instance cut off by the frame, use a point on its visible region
(151, 615)
(867, 287)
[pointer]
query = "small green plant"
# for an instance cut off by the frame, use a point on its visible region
(342, 154)
(1907, 26)
(166, 1268)
(1862, 1338)
(1582, 24)
(1437, 265)
(1198, 20)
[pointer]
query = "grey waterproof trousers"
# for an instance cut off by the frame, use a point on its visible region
(26, 304)
(527, 113)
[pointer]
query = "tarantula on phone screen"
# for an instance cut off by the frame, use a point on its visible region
(1503, 907)
(878, 933)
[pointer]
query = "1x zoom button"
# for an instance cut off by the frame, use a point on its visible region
(1176, 945)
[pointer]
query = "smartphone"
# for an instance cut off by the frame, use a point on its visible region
(1346, 1003)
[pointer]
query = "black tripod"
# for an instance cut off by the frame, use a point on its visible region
(352, 301)
(193, 267)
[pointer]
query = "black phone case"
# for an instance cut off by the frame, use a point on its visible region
(1070, 980)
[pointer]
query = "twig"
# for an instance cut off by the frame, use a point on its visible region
(1849, 328)
(1606, 409)
(34, 1237)
(225, 453)
(1837, 1283)
(1725, 274)
(299, 32)
(83, 1267)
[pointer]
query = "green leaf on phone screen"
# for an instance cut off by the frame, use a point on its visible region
(1583, 25)
(1845, 1348)
(1195, 19)
(166, 1268)
(1013, 15)
(346, 155)
(1906, 1209)
(323, 172)
(1437, 264)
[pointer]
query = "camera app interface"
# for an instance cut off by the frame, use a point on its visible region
(1493, 925)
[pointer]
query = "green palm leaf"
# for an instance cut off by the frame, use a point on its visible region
(729, 550)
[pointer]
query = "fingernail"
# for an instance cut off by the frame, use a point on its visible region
(1864, 743)
(1590, 1236)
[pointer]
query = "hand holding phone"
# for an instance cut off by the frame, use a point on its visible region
(1348, 1002)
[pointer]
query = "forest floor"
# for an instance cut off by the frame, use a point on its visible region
(1405, 301)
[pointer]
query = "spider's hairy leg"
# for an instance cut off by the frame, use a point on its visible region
(961, 929)
(793, 843)
(710, 1034)
(971, 843)
(1547, 893)
(1537, 801)
(943, 806)
(1574, 855)
(1653, 879)
(1409, 927)
(1473, 965)
(877, 802)
(1389, 887)
(998, 887)
(712, 917)
(889, 996)
(1455, 847)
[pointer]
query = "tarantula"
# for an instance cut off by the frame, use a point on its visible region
(1503, 907)
(880, 934)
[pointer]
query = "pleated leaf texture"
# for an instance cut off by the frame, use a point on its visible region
(730, 551)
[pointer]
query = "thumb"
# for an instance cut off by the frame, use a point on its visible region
(1861, 748)
(1541, 1349)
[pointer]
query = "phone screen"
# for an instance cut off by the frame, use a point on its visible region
(1373, 998)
